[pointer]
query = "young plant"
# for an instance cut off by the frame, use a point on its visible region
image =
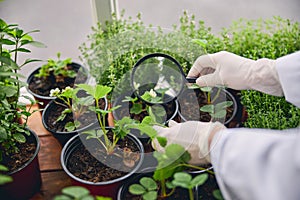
(218, 110)
(174, 159)
(156, 111)
(147, 187)
(3, 177)
(73, 105)
(59, 68)
(78, 193)
(12, 41)
(185, 180)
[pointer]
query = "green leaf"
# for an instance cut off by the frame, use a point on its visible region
(182, 179)
(3, 168)
(162, 141)
(199, 180)
(76, 191)
(200, 42)
(219, 114)
(152, 195)
(210, 108)
(7, 42)
(5, 179)
(137, 189)
(62, 197)
(70, 126)
(136, 108)
(148, 183)
(222, 105)
(102, 91)
(206, 89)
(3, 134)
(217, 195)
(19, 137)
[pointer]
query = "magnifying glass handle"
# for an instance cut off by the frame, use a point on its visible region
(191, 79)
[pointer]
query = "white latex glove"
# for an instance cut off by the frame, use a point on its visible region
(236, 72)
(194, 136)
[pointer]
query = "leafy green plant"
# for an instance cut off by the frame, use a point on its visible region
(269, 38)
(112, 53)
(147, 187)
(185, 180)
(59, 68)
(175, 159)
(13, 41)
(78, 193)
(73, 105)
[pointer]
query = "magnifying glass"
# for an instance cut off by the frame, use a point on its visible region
(157, 78)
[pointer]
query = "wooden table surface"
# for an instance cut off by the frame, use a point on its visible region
(53, 176)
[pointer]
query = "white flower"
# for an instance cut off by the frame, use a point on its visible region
(152, 93)
(54, 92)
(66, 89)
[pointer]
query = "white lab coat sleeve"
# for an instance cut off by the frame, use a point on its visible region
(257, 164)
(288, 68)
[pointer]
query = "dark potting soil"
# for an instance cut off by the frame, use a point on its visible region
(190, 109)
(42, 86)
(95, 165)
(17, 160)
(59, 126)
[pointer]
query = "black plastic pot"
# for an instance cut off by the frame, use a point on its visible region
(46, 99)
(107, 188)
(27, 179)
(63, 136)
(190, 97)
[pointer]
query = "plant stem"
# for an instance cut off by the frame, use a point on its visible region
(191, 194)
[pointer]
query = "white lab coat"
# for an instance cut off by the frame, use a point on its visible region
(263, 164)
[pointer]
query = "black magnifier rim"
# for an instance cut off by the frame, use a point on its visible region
(153, 55)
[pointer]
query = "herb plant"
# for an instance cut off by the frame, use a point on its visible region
(13, 41)
(58, 67)
(269, 38)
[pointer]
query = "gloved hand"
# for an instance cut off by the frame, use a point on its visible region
(194, 136)
(236, 72)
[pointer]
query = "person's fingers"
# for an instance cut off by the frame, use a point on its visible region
(159, 129)
(203, 65)
(172, 123)
(209, 80)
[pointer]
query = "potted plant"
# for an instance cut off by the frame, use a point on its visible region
(169, 180)
(56, 73)
(19, 146)
(104, 156)
(69, 113)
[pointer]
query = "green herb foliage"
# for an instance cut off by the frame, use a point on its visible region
(270, 38)
(13, 41)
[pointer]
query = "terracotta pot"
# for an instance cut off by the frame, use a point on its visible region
(45, 99)
(106, 188)
(27, 179)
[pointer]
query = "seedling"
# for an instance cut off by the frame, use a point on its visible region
(147, 187)
(156, 111)
(174, 159)
(74, 105)
(185, 180)
(77, 193)
(58, 67)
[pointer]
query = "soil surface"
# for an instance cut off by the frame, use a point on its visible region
(86, 164)
(190, 109)
(42, 86)
(59, 126)
(17, 160)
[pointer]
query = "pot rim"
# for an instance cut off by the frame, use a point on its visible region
(76, 137)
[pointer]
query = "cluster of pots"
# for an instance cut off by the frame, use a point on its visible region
(70, 141)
